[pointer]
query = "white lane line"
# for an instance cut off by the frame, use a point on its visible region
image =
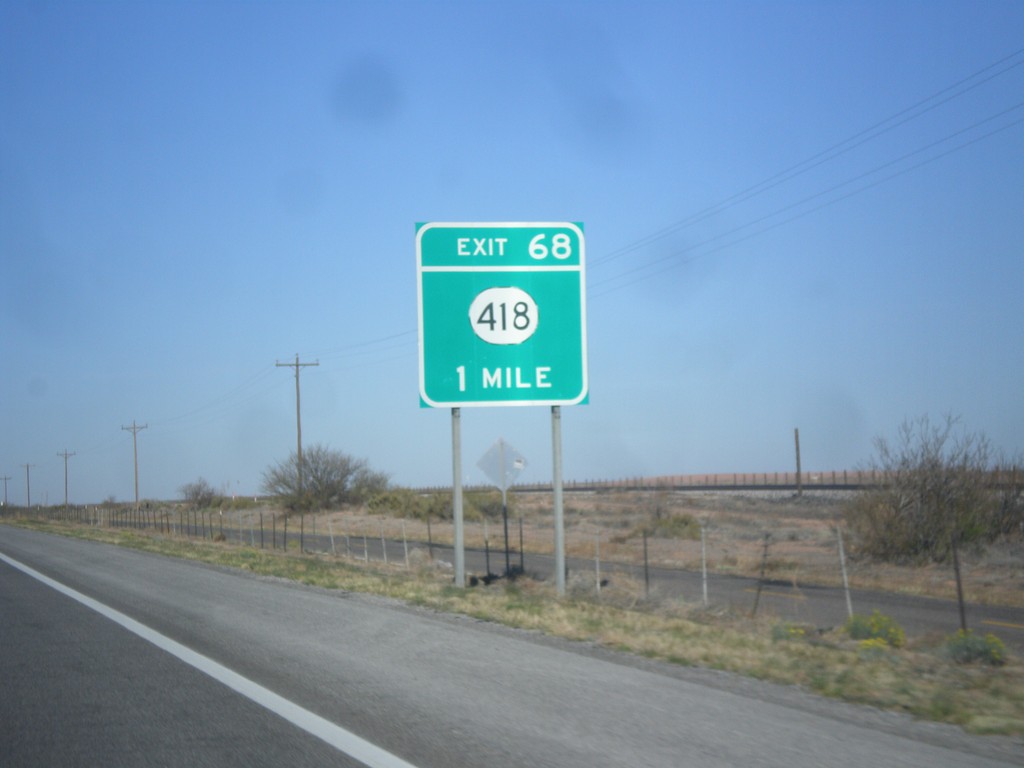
(345, 741)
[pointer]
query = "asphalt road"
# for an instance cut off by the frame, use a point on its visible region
(116, 682)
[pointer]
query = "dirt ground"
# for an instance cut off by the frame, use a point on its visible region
(801, 535)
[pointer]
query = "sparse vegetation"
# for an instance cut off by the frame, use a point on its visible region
(940, 490)
(966, 648)
(199, 494)
(876, 627)
(678, 526)
(328, 479)
(403, 502)
(786, 631)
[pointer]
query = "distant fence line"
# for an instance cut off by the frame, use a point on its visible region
(266, 530)
(830, 480)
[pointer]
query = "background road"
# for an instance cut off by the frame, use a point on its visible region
(822, 607)
(434, 690)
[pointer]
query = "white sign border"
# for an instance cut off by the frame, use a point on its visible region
(420, 269)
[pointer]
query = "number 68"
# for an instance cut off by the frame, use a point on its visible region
(561, 246)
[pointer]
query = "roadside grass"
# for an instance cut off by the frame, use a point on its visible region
(920, 679)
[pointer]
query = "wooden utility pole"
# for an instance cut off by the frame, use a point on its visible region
(65, 454)
(28, 486)
(134, 429)
(799, 480)
(298, 417)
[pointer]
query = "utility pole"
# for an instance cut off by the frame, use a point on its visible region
(298, 417)
(28, 486)
(65, 454)
(134, 429)
(799, 479)
(6, 478)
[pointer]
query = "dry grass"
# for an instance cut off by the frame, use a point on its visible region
(803, 546)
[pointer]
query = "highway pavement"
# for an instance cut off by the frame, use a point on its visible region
(116, 657)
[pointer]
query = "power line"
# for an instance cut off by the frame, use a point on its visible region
(851, 142)
(218, 401)
(903, 116)
(877, 182)
(348, 349)
(643, 272)
(217, 404)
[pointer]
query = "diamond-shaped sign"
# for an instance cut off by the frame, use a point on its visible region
(502, 464)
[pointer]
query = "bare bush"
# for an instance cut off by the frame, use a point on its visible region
(1009, 515)
(328, 479)
(198, 495)
(936, 493)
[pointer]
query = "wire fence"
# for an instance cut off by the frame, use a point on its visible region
(619, 536)
(645, 531)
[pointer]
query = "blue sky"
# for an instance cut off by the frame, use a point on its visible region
(798, 214)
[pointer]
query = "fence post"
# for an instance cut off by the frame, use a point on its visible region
(704, 564)
(647, 569)
(842, 566)
(799, 479)
(522, 562)
(405, 544)
(760, 581)
(487, 552)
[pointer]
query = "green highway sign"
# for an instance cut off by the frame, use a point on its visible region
(502, 314)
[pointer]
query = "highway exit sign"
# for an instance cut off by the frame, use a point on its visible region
(502, 314)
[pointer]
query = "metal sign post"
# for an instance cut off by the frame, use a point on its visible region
(502, 464)
(556, 486)
(460, 548)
